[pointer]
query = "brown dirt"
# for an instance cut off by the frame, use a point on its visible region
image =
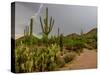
(86, 60)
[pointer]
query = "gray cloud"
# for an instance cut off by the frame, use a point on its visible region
(69, 18)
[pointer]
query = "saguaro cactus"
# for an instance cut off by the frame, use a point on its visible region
(81, 33)
(58, 31)
(29, 29)
(47, 25)
(61, 42)
(31, 26)
(26, 31)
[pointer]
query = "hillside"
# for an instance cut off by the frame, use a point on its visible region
(73, 35)
(92, 33)
(88, 34)
(26, 40)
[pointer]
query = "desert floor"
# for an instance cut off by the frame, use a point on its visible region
(87, 59)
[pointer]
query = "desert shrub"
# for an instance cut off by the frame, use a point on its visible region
(77, 43)
(91, 44)
(66, 57)
(69, 56)
(34, 41)
(91, 38)
(92, 41)
(60, 61)
(45, 39)
(53, 40)
(74, 44)
(18, 42)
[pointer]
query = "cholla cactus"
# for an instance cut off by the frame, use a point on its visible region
(24, 60)
(36, 59)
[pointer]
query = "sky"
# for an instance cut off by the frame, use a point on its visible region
(69, 18)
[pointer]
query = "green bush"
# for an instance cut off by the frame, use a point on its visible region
(74, 44)
(92, 42)
(27, 40)
(53, 40)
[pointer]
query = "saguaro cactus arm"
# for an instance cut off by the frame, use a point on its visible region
(51, 24)
(46, 17)
(41, 24)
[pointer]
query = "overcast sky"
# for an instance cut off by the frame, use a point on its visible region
(69, 18)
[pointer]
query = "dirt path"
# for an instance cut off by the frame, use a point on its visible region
(86, 60)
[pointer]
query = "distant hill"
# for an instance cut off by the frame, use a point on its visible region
(93, 31)
(22, 38)
(73, 35)
(88, 40)
(88, 34)
(26, 40)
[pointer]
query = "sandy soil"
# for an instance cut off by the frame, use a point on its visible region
(87, 59)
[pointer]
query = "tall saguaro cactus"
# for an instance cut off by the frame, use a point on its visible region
(47, 25)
